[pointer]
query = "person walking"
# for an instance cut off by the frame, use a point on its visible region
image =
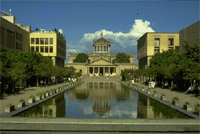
(189, 89)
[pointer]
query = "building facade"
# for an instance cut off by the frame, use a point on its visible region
(101, 61)
(51, 44)
(17, 37)
(13, 36)
(190, 34)
(151, 43)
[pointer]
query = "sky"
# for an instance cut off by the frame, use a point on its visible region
(122, 22)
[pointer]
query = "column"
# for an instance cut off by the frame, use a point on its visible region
(103, 71)
(98, 70)
(93, 70)
(108, 70)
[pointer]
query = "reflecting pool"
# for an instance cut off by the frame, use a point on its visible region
(102, 100)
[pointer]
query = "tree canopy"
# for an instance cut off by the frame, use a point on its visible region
(121, 58)
(81, 58)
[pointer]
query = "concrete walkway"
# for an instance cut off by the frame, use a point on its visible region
(14, 99)
(171, 94)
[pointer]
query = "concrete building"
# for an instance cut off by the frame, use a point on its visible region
(191, 34)
(49, 43)
(12, 35)
(151, 43)
(101, 61)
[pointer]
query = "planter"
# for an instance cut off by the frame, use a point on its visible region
(176, 103)
(10, 108)
(31, 100)
(163, 98)
(187, 107)
(46, 94)
(21, 104)
(51, 93)
(197, 112)
(155, 95)
(42, 96)
(37, 98)
(148, 92)
(142, 90)
(57, 90)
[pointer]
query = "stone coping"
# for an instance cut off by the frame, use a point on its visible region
(98, 125)
(19, 110)
(167, 103)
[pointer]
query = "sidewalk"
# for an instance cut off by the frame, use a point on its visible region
(171, 94)
(14, 99)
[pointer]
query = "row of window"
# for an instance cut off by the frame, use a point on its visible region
(42, 49)
(41, 40)
(157, 42)
(19, 36)
(101, 48)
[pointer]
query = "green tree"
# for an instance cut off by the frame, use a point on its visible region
(122, 58)
(81, 58)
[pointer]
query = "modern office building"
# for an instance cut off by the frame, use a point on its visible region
(18, 37)
(49, 43)
(12, 35)
(190, 34)
(151, 43)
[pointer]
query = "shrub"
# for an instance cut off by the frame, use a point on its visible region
(47, 91)
(176, 99)
(163, 94)
(154, 91)
(10, 104)
(21, 100)
(42, 93)
(148, 89)
(187, 103)
(197, 106)
(38, 94)
(32, 97)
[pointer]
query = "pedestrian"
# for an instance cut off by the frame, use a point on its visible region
(189, 89)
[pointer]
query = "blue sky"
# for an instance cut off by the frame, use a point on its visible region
(123, 22)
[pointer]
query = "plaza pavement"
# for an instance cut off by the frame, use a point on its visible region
(14, 98)
(171, 94)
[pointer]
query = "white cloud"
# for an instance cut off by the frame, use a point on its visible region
(120, 42)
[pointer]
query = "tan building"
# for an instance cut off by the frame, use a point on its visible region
(12, 35)
(51, 44)
(151, 43)
(101, 61)
(191, 34)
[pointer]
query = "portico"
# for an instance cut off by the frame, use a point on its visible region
(101, 70)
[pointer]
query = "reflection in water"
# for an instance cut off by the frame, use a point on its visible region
(101, 100)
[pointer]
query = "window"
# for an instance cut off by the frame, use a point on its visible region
(156, 42)
(46, 49)
(107, 48)
(37, 40)
(17, 46)
(95, 48)
(32, 48)
(32, 40)
(37, 48)
(51, 40)
(156, 50)
(41, 49)
(17, 35)
(98, 48)
(46, 40)
(101, 48)
(41, 40)
(170, 41)
(51, 49)
(104, 48)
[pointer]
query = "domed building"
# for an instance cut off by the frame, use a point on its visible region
(101, 61)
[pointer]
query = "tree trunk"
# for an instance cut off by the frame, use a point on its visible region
(171, 84)
(37, 81)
